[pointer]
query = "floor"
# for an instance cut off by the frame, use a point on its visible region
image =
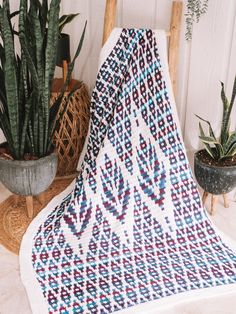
(13, 298)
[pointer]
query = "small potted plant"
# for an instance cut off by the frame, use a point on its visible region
(215, 165)
(28, 162)
(63, 48)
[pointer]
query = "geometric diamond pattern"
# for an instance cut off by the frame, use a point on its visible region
(133, 230)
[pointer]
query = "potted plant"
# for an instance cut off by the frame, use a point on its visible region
(27, 160)
(63, 49)
(215, 165)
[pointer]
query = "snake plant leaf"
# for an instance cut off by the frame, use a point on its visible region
(224, 98)
(65, 19)
(15, 13)
(41, 127)
(55, 106)
(71, 65)
(207, 146)
(36, 130)
(26, 118)
(36, 28)
(233, 94)
(44, 15)
(211, 132)
(224, 134)
(50, 61)
(208, 139)
(6, 5)
(225, 145)
(31, 138)
(10, 79)
(220, 153)
(230, 142)
(5, 126)
(24, 45)
(232, 151)
(21, 94)
(28, 106)
(226, 116)
(3, 98)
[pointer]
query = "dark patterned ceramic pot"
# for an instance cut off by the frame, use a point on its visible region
(28, 177)
(213, 179)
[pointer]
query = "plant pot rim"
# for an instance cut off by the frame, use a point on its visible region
(64, 35)
(29, 163)
(210, 166)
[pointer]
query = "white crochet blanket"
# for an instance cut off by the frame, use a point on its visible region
(133, 232)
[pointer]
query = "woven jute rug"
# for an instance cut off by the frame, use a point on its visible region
(13, 214)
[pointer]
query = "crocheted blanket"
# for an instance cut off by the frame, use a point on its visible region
(133, 229)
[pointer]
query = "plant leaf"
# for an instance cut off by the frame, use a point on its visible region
(233, 94)
(50, 63)
(208, 140)
(232, 151)
(65, 19)
(10, 79)
(55, 107)
(230, 142)
(211, 132)
(224, 98)
(207, 146)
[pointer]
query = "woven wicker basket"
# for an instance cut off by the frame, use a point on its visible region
(70, 137)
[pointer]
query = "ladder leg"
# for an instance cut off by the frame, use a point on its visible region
(30, 206)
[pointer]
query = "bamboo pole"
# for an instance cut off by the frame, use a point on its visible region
(109, 19)
(173, 53)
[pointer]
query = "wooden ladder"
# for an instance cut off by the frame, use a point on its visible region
(173, 33)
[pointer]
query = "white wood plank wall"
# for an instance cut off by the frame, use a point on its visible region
(203, 63)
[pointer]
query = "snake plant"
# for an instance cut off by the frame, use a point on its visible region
(26, 118)
(225, 145)
(66, 19)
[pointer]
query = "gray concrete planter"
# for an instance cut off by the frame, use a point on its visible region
(30, 177)
(214, 180)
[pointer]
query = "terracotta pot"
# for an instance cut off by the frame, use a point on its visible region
(213, 179)
(30, 177)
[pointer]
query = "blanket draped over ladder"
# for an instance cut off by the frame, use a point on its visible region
(133, 229)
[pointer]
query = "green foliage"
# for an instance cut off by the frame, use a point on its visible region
(66, 19)
(225, 145)
(195, 9)
(26, 118)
